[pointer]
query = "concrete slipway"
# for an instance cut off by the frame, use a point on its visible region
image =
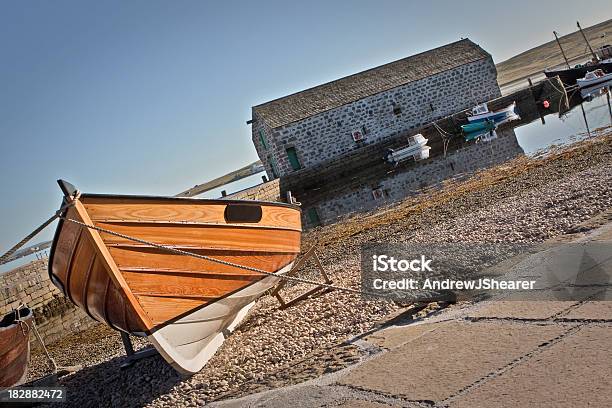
(495, 353)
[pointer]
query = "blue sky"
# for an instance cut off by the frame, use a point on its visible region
(151, 97)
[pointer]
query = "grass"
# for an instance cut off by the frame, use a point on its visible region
(547, 55)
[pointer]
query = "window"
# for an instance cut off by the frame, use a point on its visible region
(262, 139)
(397, 109)
(274, 167)
(293, 158)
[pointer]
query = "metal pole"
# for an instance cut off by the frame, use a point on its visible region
(587, 42)
(586, 122)
(609, 106)
(561, 48)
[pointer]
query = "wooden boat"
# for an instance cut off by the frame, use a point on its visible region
(15, 347)
(593, 78)
(185, 305)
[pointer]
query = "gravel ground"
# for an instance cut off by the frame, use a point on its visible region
(526, 200)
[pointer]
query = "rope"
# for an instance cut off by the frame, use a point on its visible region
(219, 261)
(6, 257)
(446, 137)
(22, 323)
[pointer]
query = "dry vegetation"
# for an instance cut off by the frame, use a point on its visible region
(535, 60)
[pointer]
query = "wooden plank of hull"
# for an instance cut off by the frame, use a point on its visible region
(219, 238)
(129, 258)
(14, 349)
(142, 289)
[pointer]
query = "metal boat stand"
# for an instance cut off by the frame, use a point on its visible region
(320, 290)
(131, 355)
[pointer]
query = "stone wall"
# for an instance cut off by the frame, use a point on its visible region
(269, 191)
(54, 314)
(327, 135)
(408, 182)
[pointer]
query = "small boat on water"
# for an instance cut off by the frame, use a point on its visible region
(570, 76)
(485, 136)
(416, 149)
(480, 126)
(185, 305)
(15, 347)
(593, 78)
(481, 113)
(588, 93)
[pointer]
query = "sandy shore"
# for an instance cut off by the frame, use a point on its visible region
(525, 200)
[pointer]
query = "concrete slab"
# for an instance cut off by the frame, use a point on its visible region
(592, 311)
(308, 396)
(364, 404)
(439, 363)
(575, 372)
(398, 335)
(526, 309)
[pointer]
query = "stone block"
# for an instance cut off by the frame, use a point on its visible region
(439, 363)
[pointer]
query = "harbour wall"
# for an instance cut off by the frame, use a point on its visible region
(402, 183)
(54, 314)
(268, 191)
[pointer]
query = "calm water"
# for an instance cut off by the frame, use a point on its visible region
(567, 129)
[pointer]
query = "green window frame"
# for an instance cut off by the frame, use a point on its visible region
(293, 158)
(313, 216)
(274, 166)
(262, 139)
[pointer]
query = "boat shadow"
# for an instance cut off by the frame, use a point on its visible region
(108, 384)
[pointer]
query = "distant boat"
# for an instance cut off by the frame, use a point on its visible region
(183, 304)
(481, 113)
(15, 347)
(569, 76)
(596, 90)
(480, 126)
(593, 78)
(417, 149)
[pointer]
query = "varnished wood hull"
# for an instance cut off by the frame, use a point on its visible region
(144, 290)
(15, 347)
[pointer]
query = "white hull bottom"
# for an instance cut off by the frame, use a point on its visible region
(188, 343)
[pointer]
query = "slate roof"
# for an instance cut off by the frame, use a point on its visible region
(321, 98)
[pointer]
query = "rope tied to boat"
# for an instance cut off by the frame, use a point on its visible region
(33, 328)
(4, 258)
(219, 261)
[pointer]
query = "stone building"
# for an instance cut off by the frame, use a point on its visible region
(310, 127)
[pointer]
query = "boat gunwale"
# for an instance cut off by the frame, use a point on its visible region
(192, 200)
